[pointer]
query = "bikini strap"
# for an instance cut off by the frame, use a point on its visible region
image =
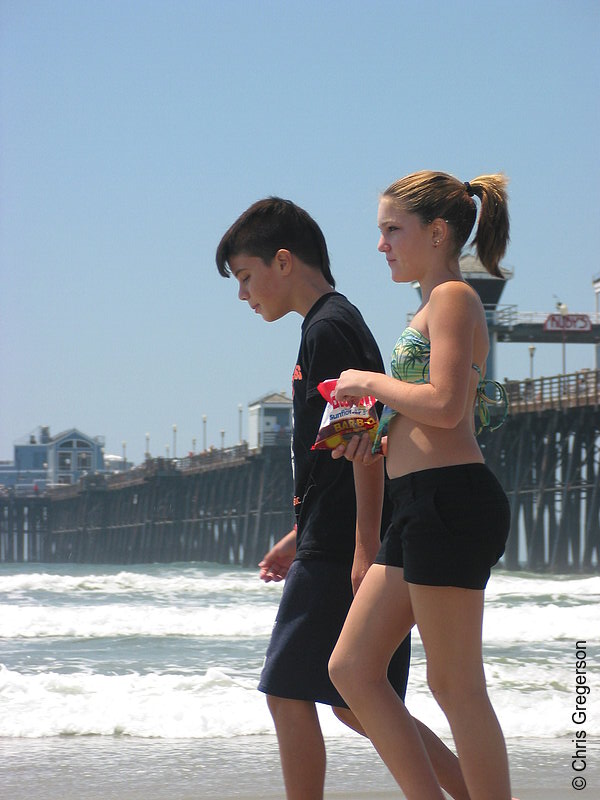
(484, 400)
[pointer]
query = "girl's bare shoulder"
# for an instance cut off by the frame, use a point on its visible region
(455, 294)
(454, 288)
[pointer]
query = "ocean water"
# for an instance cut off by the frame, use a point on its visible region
(97, 660)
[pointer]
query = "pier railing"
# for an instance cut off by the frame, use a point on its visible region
(555, 393)
(509, 316)
(208, 460)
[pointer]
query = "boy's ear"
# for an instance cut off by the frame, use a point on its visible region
(283, 261)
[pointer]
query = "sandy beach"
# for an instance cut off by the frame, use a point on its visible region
(245, 768)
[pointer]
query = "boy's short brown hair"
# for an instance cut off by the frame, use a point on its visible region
(270, 225)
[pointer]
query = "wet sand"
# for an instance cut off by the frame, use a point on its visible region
(244, 768)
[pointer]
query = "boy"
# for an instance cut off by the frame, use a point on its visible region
(279, 257)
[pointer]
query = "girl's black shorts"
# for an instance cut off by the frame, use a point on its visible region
(449, 526)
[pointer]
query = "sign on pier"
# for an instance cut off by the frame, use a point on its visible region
(574, 323)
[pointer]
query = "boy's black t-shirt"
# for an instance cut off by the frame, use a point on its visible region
(335, 337)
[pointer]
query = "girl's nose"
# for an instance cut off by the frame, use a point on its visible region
(383, 246)
(242, 293)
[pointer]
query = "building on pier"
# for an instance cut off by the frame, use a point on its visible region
(41, 460)
(270, 421)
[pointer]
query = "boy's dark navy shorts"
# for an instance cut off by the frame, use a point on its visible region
(449, 526)
(314, 604)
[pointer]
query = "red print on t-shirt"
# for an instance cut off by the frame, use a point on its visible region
(297, 376)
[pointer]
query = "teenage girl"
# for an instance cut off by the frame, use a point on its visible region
(451, 516)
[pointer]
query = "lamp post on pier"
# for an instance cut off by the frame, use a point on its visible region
(563, 311)
(596, 285)
(174, 441)
(531, 355)
(240, 410)
(204, 433)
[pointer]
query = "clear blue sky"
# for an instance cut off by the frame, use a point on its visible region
(133, 132)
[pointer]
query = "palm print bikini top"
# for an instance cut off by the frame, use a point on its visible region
(410, 363)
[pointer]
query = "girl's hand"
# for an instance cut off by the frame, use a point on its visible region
(358, 449)
(350, 386)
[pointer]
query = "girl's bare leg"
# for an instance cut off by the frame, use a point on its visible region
(450, 621)
(379, 618)
(444, 762)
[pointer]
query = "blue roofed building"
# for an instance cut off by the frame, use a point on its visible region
(41, 459)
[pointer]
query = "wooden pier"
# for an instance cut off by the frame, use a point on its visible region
(229, 506)
(547, 457)
(226, 506)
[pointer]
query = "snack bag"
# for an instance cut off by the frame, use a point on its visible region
(341, 421)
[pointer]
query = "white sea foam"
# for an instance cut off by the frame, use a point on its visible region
(530, 588)
(502, 624)
(188, 581)
(523, 713)
(545, 623)
(164, 706)
(57, 678)
(115, 620)
(220, 704)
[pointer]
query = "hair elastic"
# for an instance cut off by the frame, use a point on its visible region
(469, 189)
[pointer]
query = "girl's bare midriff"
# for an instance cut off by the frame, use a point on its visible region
(413, 446)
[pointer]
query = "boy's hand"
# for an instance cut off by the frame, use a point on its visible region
(276, 563)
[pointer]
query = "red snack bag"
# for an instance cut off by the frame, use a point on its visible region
(341, 421)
